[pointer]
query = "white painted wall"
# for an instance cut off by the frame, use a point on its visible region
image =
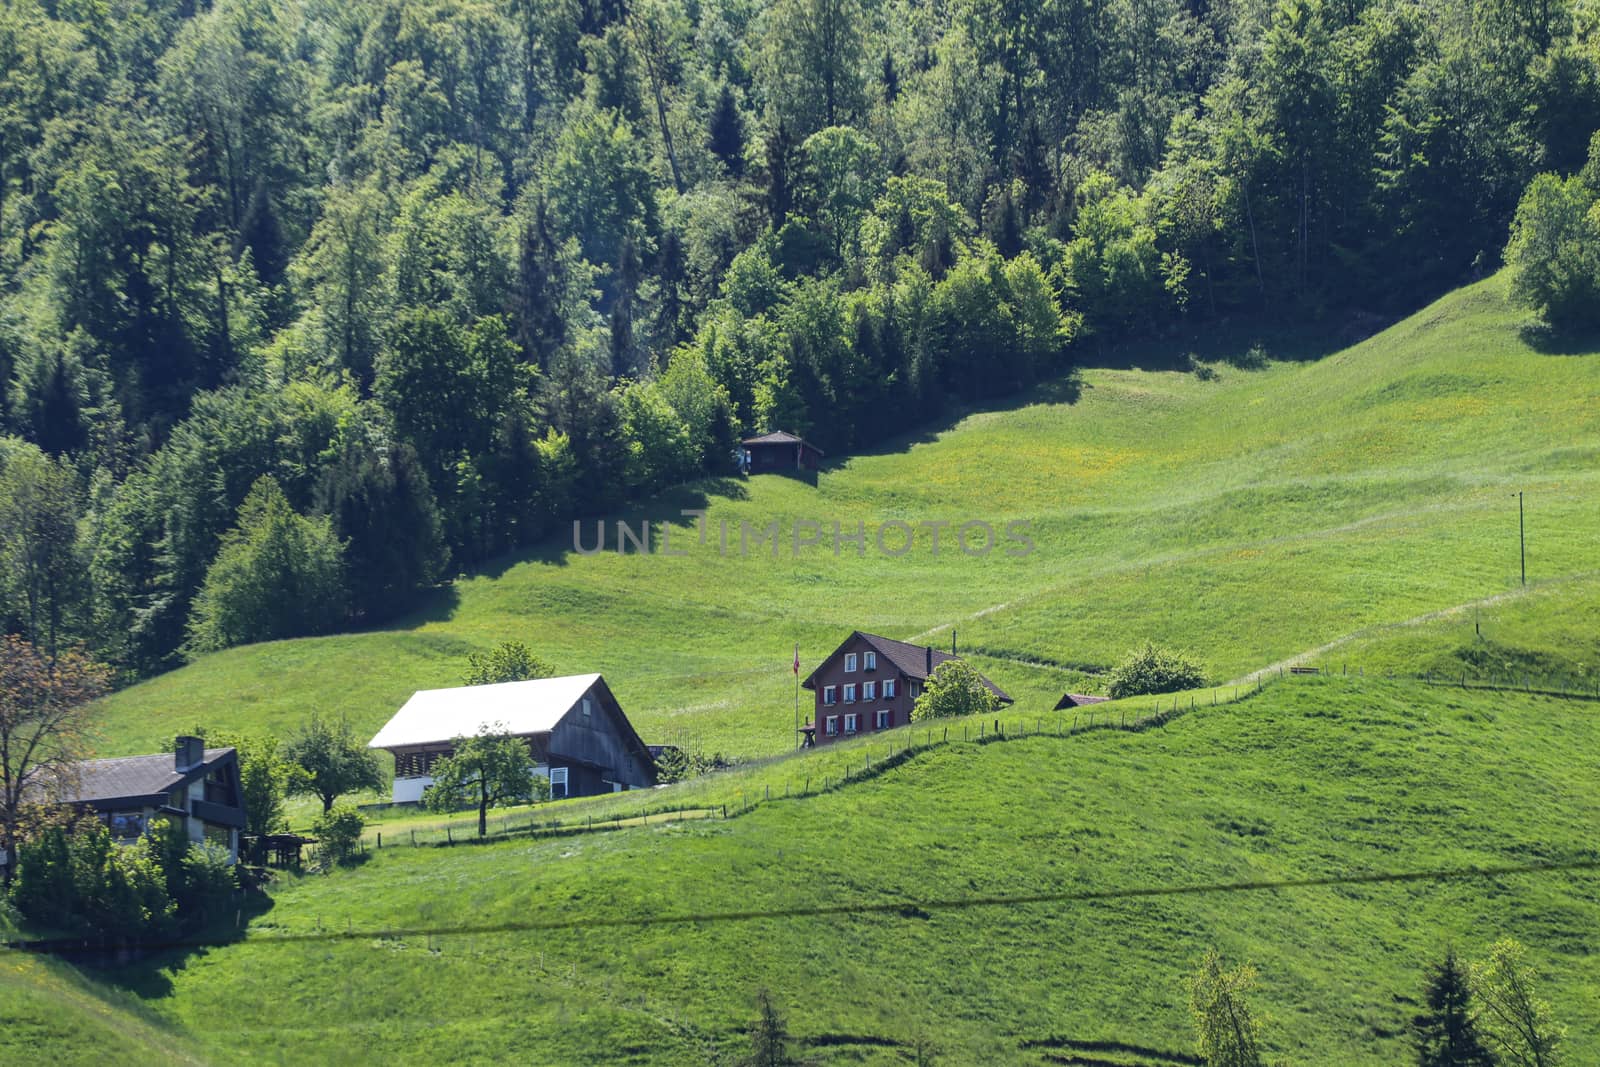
(409, 790)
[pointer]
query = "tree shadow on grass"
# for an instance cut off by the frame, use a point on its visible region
(145, 968)
(1066, 388)
(1549, 341)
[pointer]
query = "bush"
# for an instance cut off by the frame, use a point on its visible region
(954, 689)
(338, 834)
(1152, 669)
(1253, 358)
(209, 882)
(84, 882)
(1554, 252)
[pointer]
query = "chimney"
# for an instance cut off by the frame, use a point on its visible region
(952, 640)
(188, 753)
(929, 651)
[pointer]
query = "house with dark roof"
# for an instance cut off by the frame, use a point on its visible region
(194, 785)
(869, 683)
(576, 733)
(779, 452)
(1078, 700)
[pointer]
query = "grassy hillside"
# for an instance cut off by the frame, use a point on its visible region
(1310, 778)
(1250, 518)
(49, 1011)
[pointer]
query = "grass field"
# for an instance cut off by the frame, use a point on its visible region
(1357, 512)
(1312, 777)
(1250, 519)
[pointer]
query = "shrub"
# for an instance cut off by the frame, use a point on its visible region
(209, 881)
(1253, 358)
(84, 882)
(1152, 669)
(338, 834)
(954, 689)
(1554, 252)
(509, 661)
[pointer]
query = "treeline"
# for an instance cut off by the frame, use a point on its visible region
(305, 306)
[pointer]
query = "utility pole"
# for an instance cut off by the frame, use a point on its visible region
(1522, 538)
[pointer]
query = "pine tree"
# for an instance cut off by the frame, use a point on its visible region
(727, 132)
(1446, 1030)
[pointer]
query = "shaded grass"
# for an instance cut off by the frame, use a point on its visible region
(49, 1011)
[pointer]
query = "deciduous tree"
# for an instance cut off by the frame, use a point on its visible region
(43, 725)
(509, 661)
(1227, 1033)
(330, 761)
(1516, 1021)
(486, 771)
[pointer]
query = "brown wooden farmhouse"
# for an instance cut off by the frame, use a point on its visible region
(869, 683)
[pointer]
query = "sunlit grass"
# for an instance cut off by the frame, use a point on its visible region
(1247, 519)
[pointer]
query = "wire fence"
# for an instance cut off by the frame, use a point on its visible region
(741, 789)
(736, 791)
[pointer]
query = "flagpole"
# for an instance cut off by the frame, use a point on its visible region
(796, 696)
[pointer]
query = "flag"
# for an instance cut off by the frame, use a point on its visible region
(797, 661)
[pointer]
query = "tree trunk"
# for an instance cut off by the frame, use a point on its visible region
(483, 812)
(1255, 247)
(666, 135)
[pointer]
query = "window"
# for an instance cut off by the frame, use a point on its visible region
(830, 694)
(888, 689)
(849, 662)
(913, 691)
(869, 661)
(558, 782)
(850, 693)
(586, 705)
(869, 691)
(833, 725)
(850, 724)
(126, 825)
(885, 719)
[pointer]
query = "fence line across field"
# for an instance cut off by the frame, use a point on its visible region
(720, 800)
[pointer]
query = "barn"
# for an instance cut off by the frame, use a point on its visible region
(779, 453)
(576, 732)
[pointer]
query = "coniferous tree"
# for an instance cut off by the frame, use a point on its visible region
(727, 131)
(1446, 1030)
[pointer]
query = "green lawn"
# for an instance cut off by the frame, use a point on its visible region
(1310, 778)
(1249, 519)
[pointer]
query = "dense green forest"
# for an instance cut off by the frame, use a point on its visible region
(305, 306)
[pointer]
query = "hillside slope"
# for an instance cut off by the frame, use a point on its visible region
(1250, 519)
(1309, 779)
(49, 1012)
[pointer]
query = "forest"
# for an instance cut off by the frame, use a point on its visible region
(307, 306)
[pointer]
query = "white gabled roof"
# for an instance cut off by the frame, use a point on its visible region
(436, 715)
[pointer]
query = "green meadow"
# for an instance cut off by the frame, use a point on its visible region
(1250, 519)
(1357, 512)
(1311, 778)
